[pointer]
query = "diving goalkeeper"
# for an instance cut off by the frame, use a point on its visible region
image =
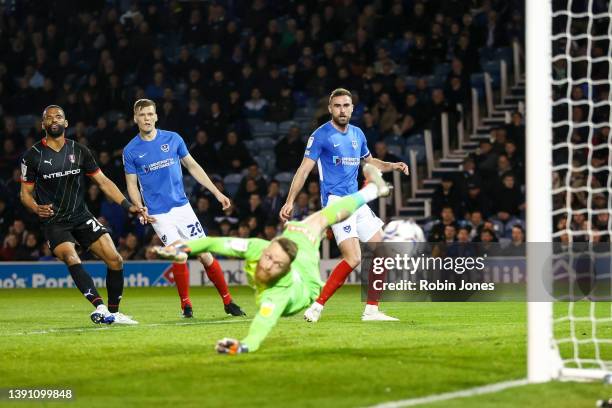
(284, 271)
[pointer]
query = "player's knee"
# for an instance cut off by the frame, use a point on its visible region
(352, 260)
(69, 258)
(115, 261)
(206, 258)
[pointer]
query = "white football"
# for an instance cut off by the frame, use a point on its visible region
(403, 231)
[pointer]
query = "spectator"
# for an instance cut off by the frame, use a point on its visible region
(233, 154)
(257, 106)
(314, 196)
(381, 152)
(270, 231)
(204, 152)
(129, 248)
(447, 195)
(289, 150)
(93, 198)
(281, 108)
(9, 247)
(301, 209)
(477, 200)
(447, 217)
(509, 197)
(517, 245)
(30, 251)
(206, 215)
(273, 201)
(384, 113)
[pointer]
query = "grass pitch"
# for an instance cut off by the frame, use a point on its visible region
(47, 341)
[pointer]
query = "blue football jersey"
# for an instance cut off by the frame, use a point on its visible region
(157, 163)
(338, 156)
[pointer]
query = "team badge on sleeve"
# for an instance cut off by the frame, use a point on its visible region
(24, 170)
(239, 244)
(310, 142)
(266, 309)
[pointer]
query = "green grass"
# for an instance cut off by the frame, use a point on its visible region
(47, 341)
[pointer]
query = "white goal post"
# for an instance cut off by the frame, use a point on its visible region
(545, 361)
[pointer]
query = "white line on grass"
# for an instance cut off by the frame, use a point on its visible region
(470, 392)
(84, 329)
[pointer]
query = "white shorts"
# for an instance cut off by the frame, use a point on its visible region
(180, 223)
(362, 224)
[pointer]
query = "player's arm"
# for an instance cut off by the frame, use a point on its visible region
(131, 181)
(27, 199)
(201, 177)
(111, 190)
(387, 166)
(273, 303)
(299, 179)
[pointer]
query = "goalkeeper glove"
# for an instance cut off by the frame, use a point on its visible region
(230, 346)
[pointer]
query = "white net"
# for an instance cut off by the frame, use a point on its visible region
(581, 58)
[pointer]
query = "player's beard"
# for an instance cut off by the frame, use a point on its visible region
(339, 120)
(59, 131)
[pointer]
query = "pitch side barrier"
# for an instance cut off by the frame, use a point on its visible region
(53, 274)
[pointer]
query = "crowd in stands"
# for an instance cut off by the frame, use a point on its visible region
(219, 69)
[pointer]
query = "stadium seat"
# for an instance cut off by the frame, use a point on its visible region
(202, 54)
(284, 179)
(493, 69)
(232, 182)
(264, 144)
(394, 140)
(420, 151)
(504, 53)
(259, 128)
(396, 150)
(283, 127)
(25, 121)
(442, 70)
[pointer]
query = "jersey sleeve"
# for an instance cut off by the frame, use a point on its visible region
(29, 164)
(314, 147)
(182, 147)
(128, 163)
(365, 152)
(273, 303)
(249, 249)
(89, 163)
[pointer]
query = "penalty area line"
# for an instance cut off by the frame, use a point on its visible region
(109, 327)
(470, 392)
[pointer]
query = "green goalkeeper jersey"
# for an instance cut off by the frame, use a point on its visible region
(290, 294)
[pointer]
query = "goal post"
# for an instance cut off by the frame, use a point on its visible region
(540, 349)
(567, 339)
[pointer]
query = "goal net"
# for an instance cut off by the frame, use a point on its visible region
(568, 87)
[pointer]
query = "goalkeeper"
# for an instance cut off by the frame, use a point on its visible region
(284, 271)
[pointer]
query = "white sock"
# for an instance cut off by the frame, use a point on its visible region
(371, 309)
(369, 192)
(317, 306)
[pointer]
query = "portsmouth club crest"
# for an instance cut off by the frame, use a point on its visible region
(354, 143)
(165, 148)
(71, 158)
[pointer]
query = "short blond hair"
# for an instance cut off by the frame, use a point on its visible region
(340, 92)
(143, 103)
(289, 247)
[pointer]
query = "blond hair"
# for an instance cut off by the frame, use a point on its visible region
(143, 103)
(340, 92)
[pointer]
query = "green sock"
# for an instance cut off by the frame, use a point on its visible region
(343, 208)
